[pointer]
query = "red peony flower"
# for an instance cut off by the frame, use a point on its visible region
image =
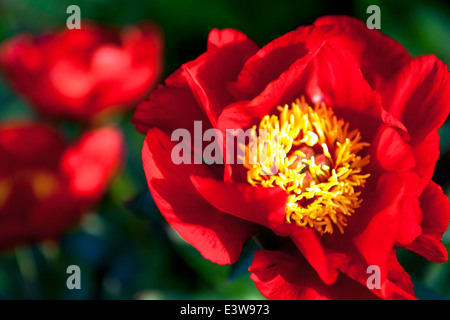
(80, 73)
(46, 184)
(344, 177)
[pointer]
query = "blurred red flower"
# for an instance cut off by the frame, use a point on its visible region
(357, 121)
(80, 73)
(46, 184)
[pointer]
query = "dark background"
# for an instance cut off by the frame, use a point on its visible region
(124, 248)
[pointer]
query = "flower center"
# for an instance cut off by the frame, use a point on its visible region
(313, 156)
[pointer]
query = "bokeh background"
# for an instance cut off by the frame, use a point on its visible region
(124, 247)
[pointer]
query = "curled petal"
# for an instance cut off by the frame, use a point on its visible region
(218, 236)
(436, 214)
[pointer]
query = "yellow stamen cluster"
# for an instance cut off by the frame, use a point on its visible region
(311, 155)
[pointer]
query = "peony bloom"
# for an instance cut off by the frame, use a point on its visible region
(81, 73)
(352, 123)
(46, 184)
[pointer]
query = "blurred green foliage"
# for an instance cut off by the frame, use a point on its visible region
(124, 248)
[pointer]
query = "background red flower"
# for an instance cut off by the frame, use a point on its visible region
(47, 183)
(81, 73)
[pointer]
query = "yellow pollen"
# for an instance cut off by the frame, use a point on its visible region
(313, 156)
(44, 184)
(5, 190)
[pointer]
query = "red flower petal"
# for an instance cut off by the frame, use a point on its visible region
(373, 228)
(394, 282)
(399, 285)
(410, 216)
(286, 275)
(243, 114)
(277, 56)
(91, 162)
(378, 56)
(436, 214)
(218, 236)
(270, 62)
(264, 206)
(221, 38)
(169, 108)
(325, 264)
(209, 74)
(379, 236)
(327, 74)
(419, 96)
(426, 153)
(392, 152)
